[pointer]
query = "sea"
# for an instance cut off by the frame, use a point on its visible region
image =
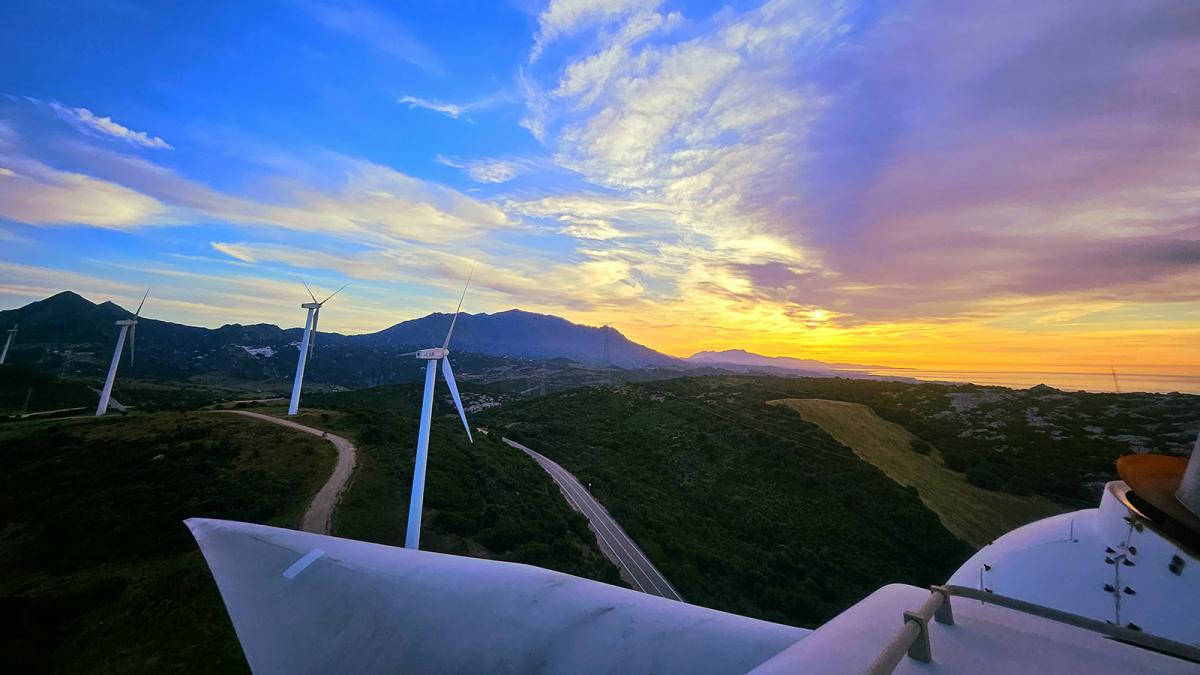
(1067, 380)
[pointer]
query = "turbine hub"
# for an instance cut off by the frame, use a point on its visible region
(433, 354)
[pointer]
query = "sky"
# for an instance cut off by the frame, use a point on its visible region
(987, 185)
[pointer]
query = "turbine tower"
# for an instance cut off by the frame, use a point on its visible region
(412, 537)
(128, 327)
(308, 343)
(12, 333)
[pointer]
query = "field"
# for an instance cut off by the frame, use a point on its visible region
(973, 514)
(97, 571)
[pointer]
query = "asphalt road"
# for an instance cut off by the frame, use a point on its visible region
(633, 563)
(319, 516)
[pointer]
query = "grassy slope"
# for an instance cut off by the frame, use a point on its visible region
(745, 507)
(97, 571)
(973, 514)
(484, 499)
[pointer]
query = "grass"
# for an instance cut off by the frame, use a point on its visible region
(97, 571)
(972, 513)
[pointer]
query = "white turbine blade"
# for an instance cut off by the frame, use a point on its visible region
(458, 309)
(310, 293)
(312, 340)
(139, 309)
(409, 354)
(334, 293)
(449, 373)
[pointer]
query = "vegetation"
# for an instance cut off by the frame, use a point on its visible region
(484, 499)
(973, 514)
(97, 571)
(1038, 441)
(24, 390)
(745, 507)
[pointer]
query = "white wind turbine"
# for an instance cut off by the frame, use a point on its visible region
(307, 343)
(128, 327)
(412, 538)
(12, 333)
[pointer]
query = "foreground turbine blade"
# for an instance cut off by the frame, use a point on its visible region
(449, 373)
(457, 310)
(308, 603)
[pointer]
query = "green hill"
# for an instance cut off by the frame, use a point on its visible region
(743, 506)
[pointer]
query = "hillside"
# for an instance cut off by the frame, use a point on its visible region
(743, 506)
(97, 571)
(973, 514)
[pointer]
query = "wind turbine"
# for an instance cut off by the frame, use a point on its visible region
(307, 343)
(12, 333)
(412, 538)
(128, 327)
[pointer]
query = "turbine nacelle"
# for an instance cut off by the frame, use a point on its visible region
(311, 305)
(433, 354)
(126, 322)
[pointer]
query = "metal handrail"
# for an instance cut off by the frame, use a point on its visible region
(913, 638)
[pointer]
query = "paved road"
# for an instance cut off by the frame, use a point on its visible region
(318, 518)
(615, 544)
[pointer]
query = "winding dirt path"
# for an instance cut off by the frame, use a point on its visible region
(319, 516)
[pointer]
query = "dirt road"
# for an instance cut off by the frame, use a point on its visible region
(318, 518)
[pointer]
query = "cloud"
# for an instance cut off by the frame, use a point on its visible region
(563, 18)
(484, 170)
(454, 110)
(88, 122)
(35, 193)
(236, 251)
(904, 165)
(375, 28)
(447, 109)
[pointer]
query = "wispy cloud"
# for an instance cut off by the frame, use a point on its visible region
(484, 170)
(454, 110)
(375, 28)
(88, 122)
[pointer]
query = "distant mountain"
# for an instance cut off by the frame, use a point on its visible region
(74, 336)
(741, 357)
(521, 334)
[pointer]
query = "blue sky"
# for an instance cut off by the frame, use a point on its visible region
(1005, 182)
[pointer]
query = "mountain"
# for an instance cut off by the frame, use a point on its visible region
(526, 335)
(71, 335)
(741, 357)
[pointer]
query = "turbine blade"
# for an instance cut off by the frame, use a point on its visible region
(310, 293)
(139, 309)
(457, 310)
(408, 354)
(312, 340)
(334, 293)
(448, 372)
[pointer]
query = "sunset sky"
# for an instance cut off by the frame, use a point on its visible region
(929, 184)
